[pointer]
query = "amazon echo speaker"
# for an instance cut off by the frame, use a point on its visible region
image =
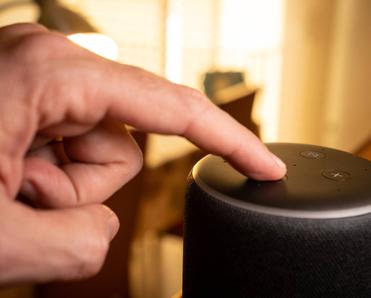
(307, 235)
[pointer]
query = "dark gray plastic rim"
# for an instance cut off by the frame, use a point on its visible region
(319, 214)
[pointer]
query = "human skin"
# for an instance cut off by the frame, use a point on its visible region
(51, 88)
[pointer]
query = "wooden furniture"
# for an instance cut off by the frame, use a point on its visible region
(365, 150)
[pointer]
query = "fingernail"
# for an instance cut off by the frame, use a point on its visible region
(279, 162)
(28, 190)
(113, 225)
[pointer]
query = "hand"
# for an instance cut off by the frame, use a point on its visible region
(52, 88)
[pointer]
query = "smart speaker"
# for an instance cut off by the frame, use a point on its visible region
(307, 235)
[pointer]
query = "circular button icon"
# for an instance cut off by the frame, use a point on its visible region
(312, 154)
(336, 175)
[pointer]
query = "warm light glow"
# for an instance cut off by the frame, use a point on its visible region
(251, 39)
(174, 47)
(251, 25)
(21, 12)
(97, 43)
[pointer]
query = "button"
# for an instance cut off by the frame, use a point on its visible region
(336, 175)
(312, 154)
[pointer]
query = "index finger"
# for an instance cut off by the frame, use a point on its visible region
(66, 91)
(154, 104)
(85, 88)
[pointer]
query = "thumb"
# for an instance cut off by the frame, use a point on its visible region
(41, 246)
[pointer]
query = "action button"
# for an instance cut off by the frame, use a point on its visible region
(312, 154)
(336, 175)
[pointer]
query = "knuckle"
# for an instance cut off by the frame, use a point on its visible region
(38, 45)
(31, 56)
(31, 26)
(194, 100)
(193, 94)
(195, 104)
(22, 28)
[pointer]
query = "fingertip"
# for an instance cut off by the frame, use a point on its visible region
(280, 166)
(268, 167)
(276, 170)
(267, 176)
(113, 223)
(279, 162)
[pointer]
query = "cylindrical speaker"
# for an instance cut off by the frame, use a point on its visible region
(307, 235)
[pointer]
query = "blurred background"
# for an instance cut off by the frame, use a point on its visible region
(289, 70)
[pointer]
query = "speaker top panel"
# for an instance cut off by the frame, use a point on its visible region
(320, 183)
